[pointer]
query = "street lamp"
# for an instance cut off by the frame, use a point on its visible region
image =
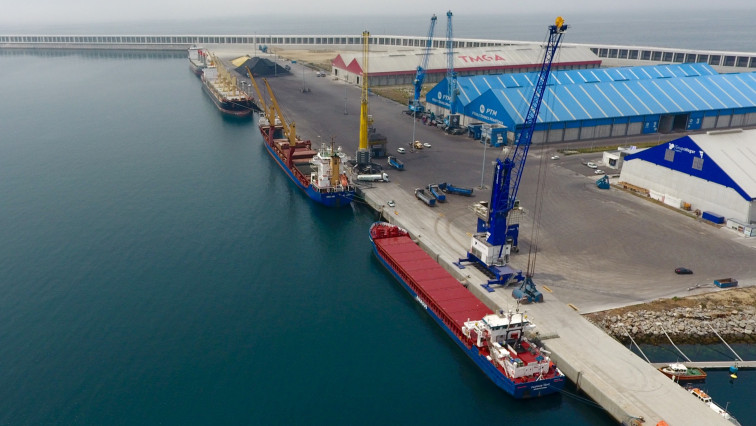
(483, 167)
(414, 120)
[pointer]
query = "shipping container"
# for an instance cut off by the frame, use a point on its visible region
(713, 217)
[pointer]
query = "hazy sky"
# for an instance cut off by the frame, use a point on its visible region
(83, 11)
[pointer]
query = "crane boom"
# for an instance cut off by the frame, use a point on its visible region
(268, 113)
(290, 130)
(491, 245)
(451, 75)
(528, 127)
(415, 106)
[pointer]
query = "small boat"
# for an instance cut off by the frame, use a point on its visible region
(681, 373)
(706, 399)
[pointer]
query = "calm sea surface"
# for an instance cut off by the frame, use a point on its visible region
(157, 267)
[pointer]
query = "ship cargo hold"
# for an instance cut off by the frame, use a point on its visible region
(496, 342)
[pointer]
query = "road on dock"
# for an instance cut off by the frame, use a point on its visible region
(597, 249)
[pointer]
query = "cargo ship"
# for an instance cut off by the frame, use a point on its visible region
(223, 90)
(496, 342)
(318, 173)
(197, 59)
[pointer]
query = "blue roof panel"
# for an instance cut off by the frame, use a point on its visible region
(625, 98)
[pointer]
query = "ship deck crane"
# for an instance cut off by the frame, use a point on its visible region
(289, 129)
(267, 110)
(496, 236)
(415, 106)
(269, 113)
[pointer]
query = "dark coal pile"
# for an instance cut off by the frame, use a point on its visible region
(261, 67)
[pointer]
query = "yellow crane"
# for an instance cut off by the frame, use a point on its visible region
(268, 113)
(364, 98)
(290, 130)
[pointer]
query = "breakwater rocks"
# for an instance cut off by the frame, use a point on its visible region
(731, 313)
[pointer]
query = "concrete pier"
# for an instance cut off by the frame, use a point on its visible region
(621, 382)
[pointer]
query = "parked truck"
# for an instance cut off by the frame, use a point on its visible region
(447, 187)
(425, 197)
(395, 163)
(377, 177)
(437, 193)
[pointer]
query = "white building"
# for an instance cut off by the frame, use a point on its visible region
(714, 172)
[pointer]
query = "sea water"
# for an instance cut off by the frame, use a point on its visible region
(157, 267)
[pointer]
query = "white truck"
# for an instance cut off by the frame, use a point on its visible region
(377, 177)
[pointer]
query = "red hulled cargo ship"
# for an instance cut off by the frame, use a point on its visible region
(496, 342)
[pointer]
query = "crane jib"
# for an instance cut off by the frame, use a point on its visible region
(509, 172)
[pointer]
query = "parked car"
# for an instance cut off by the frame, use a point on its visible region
(391, 203)
(592, 165)
(554, 157)
(683, 271)
(401, 150)
(598, 172)
(427, 145)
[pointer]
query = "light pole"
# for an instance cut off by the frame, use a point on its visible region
(483, 167)
(414, 120)
(345, 96)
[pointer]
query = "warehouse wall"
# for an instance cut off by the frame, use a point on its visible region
(701, 194)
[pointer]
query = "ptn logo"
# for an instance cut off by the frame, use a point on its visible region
(440, 96)
(488, 111)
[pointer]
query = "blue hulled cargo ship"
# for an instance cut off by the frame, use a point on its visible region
(318, 173)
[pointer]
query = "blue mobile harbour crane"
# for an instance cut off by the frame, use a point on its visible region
(451, 122)
(415, 107)
(496, 237)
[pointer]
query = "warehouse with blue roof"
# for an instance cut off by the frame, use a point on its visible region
(713, 173)
(603, 103)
